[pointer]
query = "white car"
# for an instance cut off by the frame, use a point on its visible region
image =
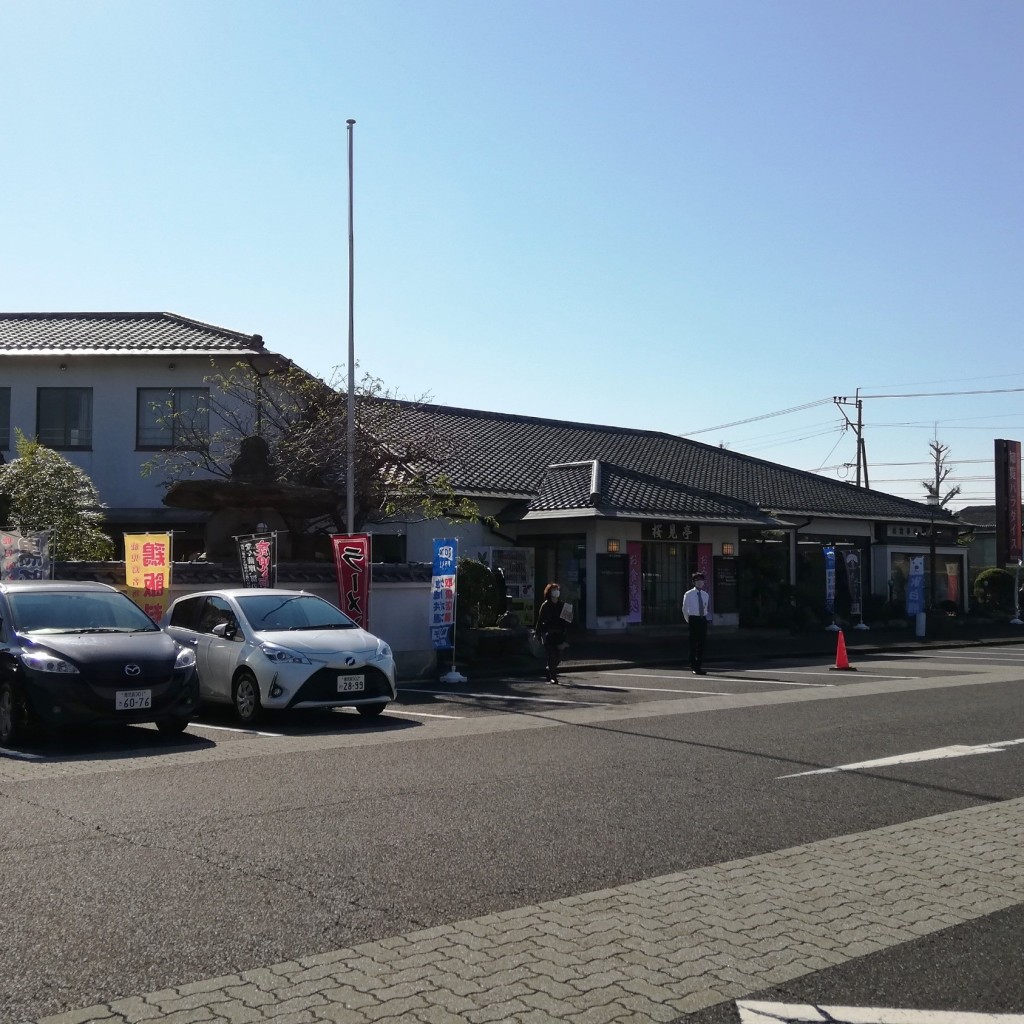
(260, 649)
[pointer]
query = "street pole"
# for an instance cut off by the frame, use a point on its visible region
(933, 501)
(350, 480)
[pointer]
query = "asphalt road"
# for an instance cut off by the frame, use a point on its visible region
(133, 862)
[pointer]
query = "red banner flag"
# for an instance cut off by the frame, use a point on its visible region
(352, 563)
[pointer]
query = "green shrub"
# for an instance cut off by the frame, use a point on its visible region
(476, 598)
(993, 589)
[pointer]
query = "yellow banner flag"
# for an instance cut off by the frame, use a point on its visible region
(147, 560)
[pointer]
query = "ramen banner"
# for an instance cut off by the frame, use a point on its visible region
(352, 564)
(25, 556)
(257, 553)
(147, 567)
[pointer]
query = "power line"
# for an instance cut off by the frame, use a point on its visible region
(755, 419)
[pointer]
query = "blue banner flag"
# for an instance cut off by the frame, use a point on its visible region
(442, 593)
(830, 578)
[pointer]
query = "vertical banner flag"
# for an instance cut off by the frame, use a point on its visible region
(633, 553)
(257, 553)
(442, 593)
(352, 564)
(705, 564)
(915, 586)
(830, 578)
(953, 582)
(1008, 525)
(25, 556)
(852, 559)
(147, 567)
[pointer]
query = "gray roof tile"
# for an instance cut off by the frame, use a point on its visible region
(641, 470)
(129, 333)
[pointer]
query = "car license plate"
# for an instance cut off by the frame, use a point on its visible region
(133, 700)
(348, 684)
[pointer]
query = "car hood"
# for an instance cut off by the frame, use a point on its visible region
(322, 641)
(155, 648)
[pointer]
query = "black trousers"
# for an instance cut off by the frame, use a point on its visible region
(553, 656)
(698, 638)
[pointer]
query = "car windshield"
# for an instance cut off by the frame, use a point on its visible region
(78, 612)
(303, 611)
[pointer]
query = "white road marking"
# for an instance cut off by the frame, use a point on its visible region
(830, 671)
(508, 696)
(658, 689)
(799, 1013)
(19, 755)
(729, 676)
(937, 754)
(420, 714)
(773, 682)
(233, 728)
(963, 656)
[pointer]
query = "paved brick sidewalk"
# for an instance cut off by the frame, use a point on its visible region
(648, 951)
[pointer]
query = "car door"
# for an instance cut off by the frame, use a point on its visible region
(183, 626)
(217, 657)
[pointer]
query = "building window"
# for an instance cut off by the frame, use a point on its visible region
(172, 418)
(5, 419)
(64, 418)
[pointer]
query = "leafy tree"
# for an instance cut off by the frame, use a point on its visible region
(41, 490)
(933, 487)
(304, 422)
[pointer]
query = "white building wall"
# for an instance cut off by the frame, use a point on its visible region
(114, 464)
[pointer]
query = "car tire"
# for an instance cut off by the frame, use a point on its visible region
(172, 726)
(14, 717)
(371, 710)
(246, 697)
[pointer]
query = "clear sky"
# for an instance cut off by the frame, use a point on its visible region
(662, 214)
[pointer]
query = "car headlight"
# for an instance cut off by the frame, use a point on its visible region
(186, 658)
(383, 651)
(281, 655)
(44, 661)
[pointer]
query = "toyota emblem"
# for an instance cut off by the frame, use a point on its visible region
(132, 669)
(350, 661)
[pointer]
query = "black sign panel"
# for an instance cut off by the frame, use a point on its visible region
(612, 584)
(726, 591)
(679, 533)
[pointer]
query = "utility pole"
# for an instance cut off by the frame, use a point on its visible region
(858, 429)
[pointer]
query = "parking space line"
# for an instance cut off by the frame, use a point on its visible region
(507, 696)
(20, 755)
(658, 689)
(826, 672)
(420, 714)
(736, 678)
(232, 728)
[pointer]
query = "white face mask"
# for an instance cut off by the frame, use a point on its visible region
(554, 595)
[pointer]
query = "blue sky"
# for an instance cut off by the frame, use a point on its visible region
(662, 215)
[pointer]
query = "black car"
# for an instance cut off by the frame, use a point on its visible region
(83, 653)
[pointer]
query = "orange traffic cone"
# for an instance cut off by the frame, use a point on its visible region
(842, 661)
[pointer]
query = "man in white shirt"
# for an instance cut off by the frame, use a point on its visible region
(697, 613)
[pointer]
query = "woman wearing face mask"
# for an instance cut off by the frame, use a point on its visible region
(551, 629)
(696, 611)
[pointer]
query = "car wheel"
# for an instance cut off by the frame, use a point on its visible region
(371, 710)
(13, 716)
(247, 698)
(172, 726)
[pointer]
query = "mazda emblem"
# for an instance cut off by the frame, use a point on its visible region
(132, 669)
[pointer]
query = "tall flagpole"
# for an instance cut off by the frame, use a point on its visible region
(350, 483)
